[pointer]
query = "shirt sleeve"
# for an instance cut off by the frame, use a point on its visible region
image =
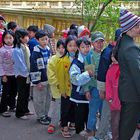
(34, 71)
(109, 89)
(18, 62)
(51, 72)
(78, 78)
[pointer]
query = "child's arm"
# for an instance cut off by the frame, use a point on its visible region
(34, 70)
(18, 62)
(109, 90)
(51, 72)
(78, 78)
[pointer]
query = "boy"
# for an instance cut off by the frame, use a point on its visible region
(92, 94)
(38, 64)
(32, 42)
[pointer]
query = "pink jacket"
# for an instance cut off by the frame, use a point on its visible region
(6, 61)
(112, 78)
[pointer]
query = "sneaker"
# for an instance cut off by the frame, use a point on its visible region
(72, 126)
(12, 110)
(45, 120)
(24, 117)
(83, 133)
(93, 138)
(6, 114)
(29, 113)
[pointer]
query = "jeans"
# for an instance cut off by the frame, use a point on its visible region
(95, 104)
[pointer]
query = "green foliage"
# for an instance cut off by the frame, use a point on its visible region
(101, 15)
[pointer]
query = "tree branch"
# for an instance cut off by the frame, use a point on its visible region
(100, 13)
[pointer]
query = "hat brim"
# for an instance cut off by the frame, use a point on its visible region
(98, 38)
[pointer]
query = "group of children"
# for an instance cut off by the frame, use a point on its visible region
(63, 80)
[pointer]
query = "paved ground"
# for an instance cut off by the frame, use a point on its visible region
(16, 129)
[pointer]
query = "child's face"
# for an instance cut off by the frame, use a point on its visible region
(1, 24)
(84, 49)
(72, 47)
(31, 34)
(25, 39)
(60, 50)
(43, 41)
(8, 39)
(98, 45)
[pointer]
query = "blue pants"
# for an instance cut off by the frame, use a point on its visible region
(95, 104)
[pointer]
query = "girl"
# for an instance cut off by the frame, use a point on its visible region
(9, 91)
(53, 79)
(21, 56)
(67, 112)
(112, 78)
(80, 77)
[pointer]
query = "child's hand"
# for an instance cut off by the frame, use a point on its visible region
(40, 86)
(90, 72)
(4, 79)
(102, 94)
(64, 95)
(88, 96)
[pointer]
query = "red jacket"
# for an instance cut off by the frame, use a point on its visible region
(112, 79)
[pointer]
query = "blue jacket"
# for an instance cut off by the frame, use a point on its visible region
(38, 65)
(105, 61)
(79, 77)
(32, 43)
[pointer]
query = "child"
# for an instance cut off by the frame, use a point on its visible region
(50, 30)
(53, 79)
(67, 111)
(112, 78)
(32, 42)
(9, 91)
(21, 56)
(92, 94)
(80, 77)
(12, 26)
(39, 60)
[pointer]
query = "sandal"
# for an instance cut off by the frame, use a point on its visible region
(51, 129)
(65, 133)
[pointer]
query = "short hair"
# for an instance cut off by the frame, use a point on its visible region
(60, 42)
(73, 32)
(40, 34)
(11, 25)
(84, 40)
(32, 28)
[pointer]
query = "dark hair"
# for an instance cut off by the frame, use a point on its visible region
(33, 28)
(40, 34)
(73, 32)
(68, 39)
(11, 25)
(74, 26)
(84, 40)
(60, 42)
(5, 33)
(20, 33)
(117, 47)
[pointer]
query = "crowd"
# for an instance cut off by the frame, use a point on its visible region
(75, 81)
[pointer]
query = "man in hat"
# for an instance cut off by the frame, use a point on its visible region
(129, 62)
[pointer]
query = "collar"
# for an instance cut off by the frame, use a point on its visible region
(80, 57)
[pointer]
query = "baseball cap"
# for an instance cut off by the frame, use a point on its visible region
(97, 36)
